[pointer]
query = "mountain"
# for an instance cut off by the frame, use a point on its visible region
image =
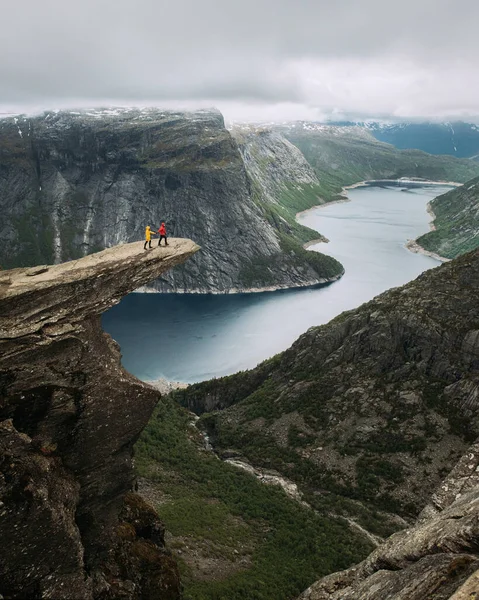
(456, 222)
(343, 155)
(368, 413)
(235, 534)
(454, 138)
(70, 525)
(72, 183)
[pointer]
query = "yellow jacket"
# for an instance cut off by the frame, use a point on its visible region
(148, 233)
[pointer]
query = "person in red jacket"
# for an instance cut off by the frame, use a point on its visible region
(162, 234)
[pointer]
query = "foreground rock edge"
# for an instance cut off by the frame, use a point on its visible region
(69, 415)
(436, 558)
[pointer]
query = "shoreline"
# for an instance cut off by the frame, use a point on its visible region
(411, 245)
(414, 246)
(431, 213)
(271, 288)
(367, 182)
(342, 197)
(321, 240)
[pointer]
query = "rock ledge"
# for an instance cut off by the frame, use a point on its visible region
(69, 416)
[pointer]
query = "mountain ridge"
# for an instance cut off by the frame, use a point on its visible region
(372, 407)
(73, 183)
(455, 228)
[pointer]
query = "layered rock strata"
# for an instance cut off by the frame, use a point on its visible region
(69, 416)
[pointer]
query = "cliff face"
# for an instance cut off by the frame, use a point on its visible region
(456, 223)
(69, 416)
(273, 163)
(75, 183)
(283, 184)
(370, 411)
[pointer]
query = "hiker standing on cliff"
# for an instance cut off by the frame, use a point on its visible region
(148, 234)
(162, 234)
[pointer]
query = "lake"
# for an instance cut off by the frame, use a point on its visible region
(183, 337)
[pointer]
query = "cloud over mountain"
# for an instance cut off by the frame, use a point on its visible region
(413, 58)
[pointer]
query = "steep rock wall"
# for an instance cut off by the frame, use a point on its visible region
(436, 559)
(69, 416)
(75, 183)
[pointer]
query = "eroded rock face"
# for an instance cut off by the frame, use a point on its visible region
(437, 558)
(69, 416)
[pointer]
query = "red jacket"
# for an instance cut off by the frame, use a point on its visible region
(162, 230)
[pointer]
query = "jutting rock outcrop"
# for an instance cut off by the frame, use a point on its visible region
(70, 526)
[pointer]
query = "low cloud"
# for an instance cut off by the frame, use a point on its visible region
(255, 59)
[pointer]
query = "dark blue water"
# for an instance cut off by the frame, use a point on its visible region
(192, 337)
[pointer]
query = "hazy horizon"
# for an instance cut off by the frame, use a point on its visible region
(232, 118)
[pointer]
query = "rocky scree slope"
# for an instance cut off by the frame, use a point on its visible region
(456, 223)
(69, 416)
(345, 155)
(436, 559)
(74, 183)
(369, 412)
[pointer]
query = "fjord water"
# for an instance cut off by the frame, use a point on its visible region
(188, 337)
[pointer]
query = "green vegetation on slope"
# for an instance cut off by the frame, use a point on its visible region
(234, 537)
(338, 158)
(282, 184)
(346, 158)
(257, 272)
(456, 222)
(368, 413)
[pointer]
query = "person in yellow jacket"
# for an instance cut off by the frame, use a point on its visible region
(148, 234)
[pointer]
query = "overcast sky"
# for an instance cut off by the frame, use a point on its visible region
(253, 59)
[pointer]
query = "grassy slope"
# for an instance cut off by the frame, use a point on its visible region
(338, 161)
(456, 222)
(266, 546)
(341, 160)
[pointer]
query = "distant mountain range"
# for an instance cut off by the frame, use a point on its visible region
(455, 138)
